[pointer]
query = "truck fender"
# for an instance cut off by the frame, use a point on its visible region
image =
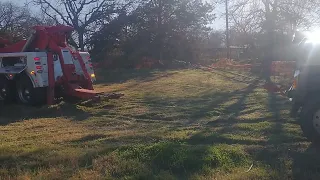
(28, 75)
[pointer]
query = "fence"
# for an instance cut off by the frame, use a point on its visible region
(281, 72)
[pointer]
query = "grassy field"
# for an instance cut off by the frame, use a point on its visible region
(186, 124)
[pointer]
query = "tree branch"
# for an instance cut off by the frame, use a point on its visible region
(93, 14)
(40, 2)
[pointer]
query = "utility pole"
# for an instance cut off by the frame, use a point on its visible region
(227, 30)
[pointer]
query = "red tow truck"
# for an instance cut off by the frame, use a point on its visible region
(42, 68)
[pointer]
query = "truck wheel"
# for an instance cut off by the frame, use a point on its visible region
(29, 95)
(4, 89)
(310, 121)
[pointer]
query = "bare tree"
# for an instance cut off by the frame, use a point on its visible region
(15, 21)
(83, 15)
(271, 19)
(285, 15)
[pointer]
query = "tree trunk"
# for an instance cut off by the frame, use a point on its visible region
(160, 29)
(269, 53)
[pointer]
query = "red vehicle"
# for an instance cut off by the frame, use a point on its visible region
(38, 70)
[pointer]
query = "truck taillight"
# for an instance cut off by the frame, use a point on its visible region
(10, 76)
(38, 67)
(36, 59)
(294, 85)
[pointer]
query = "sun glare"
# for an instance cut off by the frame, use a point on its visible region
(313, 36)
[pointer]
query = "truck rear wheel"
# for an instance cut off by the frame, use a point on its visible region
(310, 120)
(29, 95)
(4, 89)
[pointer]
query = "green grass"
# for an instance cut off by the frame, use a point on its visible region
(187, 124)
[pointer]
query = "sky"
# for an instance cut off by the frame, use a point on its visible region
(218, 24)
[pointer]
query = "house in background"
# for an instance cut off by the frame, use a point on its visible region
(221, 52)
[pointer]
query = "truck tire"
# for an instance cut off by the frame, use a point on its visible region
(4, 89)
(27, 94)
(310, 120)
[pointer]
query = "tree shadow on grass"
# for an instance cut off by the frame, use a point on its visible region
(233, 111)
(14, 113)
(225, 125)
(123, 75)
(208, 137)
(306, 164)
(275, 105)
(272, 152)
(278, 149)
(153, 76)
(269, 152)
(188, 110)
(285, 151)
(192, 110)
(39, 159)
(277, 128)
(236, 77)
